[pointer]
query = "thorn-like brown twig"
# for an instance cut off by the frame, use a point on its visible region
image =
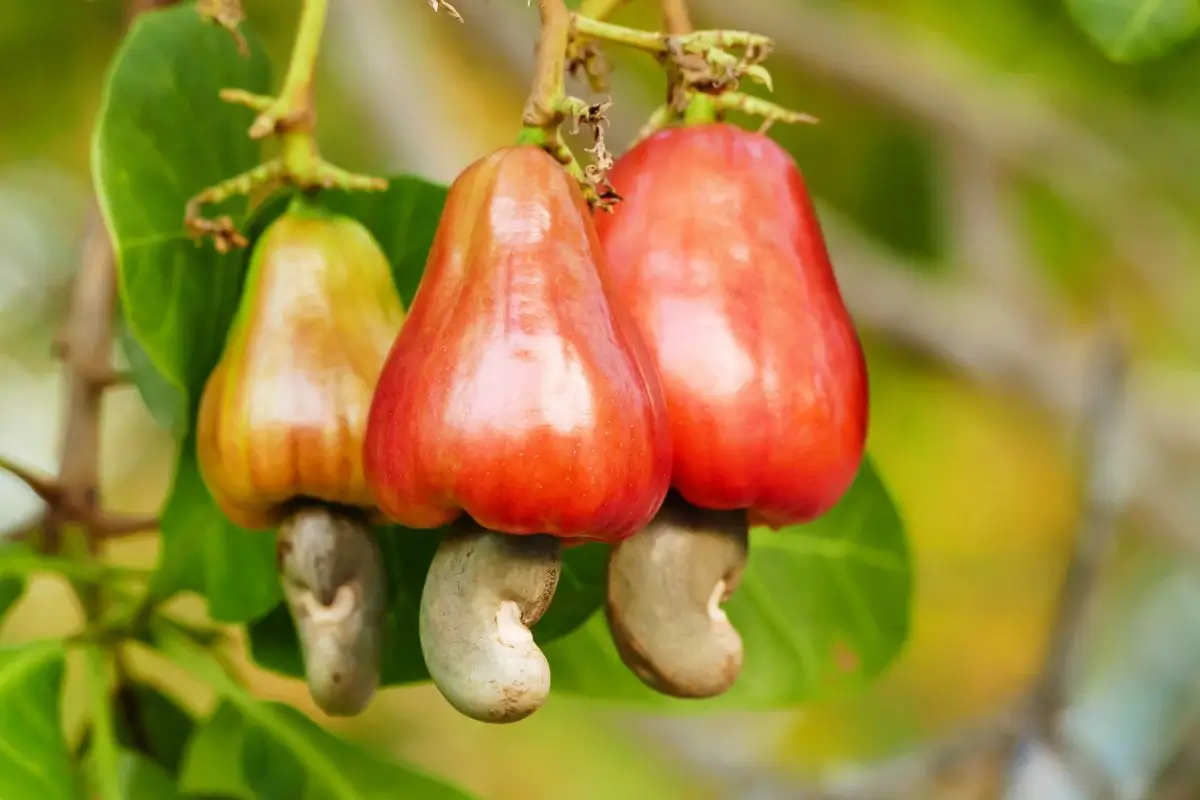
(85, 348)
(44, 487)
(229, 14)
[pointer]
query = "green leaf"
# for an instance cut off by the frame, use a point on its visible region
(1137, 30)
(103, 755)
(166, 402)
(820, 607)
(270, 758)
(153, 725)
(19, 560)
(579, 594)
(12, 587)
(281, 750)
(142, 779)
(11, 590)
(163, 134)
(407, 554)
(204, 552)
(212, 761)
(34, 759)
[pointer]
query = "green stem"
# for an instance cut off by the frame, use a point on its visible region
(701, 109)
(659, 43)
(300, 154)
(105, 754)
(72, 569)
(292, 117)
(758, 107)
(543, 108)
(675, 17)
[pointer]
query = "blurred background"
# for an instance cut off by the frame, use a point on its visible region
(1007, 212)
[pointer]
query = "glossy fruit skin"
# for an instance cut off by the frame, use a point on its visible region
(517, 392)
(717, 251)
(283, 413)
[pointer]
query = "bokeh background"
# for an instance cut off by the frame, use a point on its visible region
(1000, 200)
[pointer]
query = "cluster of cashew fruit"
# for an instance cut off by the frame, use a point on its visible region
(658, 378)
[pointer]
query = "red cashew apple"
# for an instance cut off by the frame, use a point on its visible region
(519, 401)
(717, 252)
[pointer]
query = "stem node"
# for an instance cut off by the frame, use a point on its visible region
(290, 116)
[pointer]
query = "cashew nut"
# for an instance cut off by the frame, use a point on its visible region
(665, 588)
(334, 582)
(483, 592)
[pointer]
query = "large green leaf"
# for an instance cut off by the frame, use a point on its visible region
(212, 761)
(1136, 30)
(34, 759)
(272, 750)
(12, 587)
(280, 766)
(408, 553)
(143, 779)
(204, 552)
(151, 724)
(820, 607)
(165, 401)
(163, 135)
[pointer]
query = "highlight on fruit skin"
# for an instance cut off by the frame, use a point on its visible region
(717, 252)
(280, 427)
(517, 402)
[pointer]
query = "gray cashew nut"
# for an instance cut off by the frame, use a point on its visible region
(483, 592)
(333, 579)
(666, 585)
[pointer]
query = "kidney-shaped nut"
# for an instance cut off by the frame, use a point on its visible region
(665, 589)
(483, 592)
(334, 582)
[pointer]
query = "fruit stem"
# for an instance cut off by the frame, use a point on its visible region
(548, 106)
(701, 109)
(291, 116)
(295, 102)
(675, 17)
(697, 108)
(542, 109)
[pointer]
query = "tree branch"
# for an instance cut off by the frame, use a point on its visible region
(1103, 502)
